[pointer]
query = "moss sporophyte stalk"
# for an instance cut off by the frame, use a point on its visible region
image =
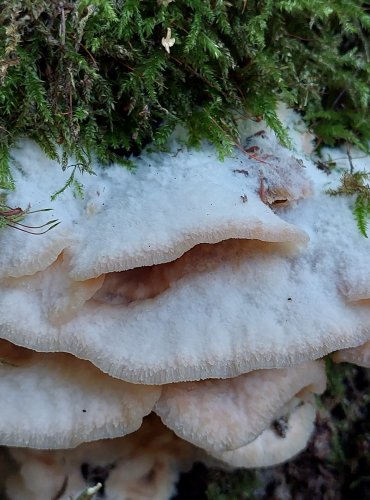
(105, 77)
(12, 217)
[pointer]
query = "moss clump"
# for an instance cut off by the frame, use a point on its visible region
(110, 75)
(354, 183)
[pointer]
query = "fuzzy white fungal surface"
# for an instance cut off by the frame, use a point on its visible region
(218, 311)
(222, 415)
(186, 269)
(62, 401)
(128, 219)
(269, 448)
(142, 466)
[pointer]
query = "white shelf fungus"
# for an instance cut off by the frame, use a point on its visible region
(241, 305)
(79, 403)
(358, 355)
(221, 415)
(166, 206)
(58, 401)
(141, 466)
(270, 448)
(207, 289)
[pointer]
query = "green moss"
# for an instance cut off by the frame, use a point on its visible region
(354, 183)
(239, 485)
(94, 76)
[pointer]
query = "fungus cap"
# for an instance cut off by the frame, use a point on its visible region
(143, 465)
(184, 334)
(269, 294)
(168, 205)
(358, 355)
(270, 448)
(58, 401)
(220, 415)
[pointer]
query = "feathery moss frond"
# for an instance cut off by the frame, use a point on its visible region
(94, 77)
(354, 184)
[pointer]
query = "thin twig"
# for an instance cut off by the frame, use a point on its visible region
(89, 54)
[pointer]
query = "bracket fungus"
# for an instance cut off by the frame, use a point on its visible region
(58, 401)
(221, 415)
(143, 465)
(199, 290)
(270, 448)
(357, 355)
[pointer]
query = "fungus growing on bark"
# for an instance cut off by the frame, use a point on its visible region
(58, 401)
(186, 271)
(180, 334)
(221, 415)
(143, 465)
(167, 206)
(139, 214)
(270, 448)
(80, 404)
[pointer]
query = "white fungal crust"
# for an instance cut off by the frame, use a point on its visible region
(58, 401)
(187, 270)
(36, 178)
(168, 205)
(245, 305)
(270, 448)
(219, 310)
(358, 355)
(220, 415)
(144, 465)
(60, 297)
